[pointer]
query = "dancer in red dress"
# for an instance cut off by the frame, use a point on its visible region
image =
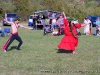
(70, 41)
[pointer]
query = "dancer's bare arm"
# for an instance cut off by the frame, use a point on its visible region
(7, 20)
(64, 15)
(22, 26)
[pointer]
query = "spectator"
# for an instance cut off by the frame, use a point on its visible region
(60, 21)
(55, 32)
(98, 26)
(34, 22)
(54, 23)
(60, 24)
(87, 26)
(50, 17)
(2, 32)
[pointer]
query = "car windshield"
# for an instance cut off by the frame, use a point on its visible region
(11, 15)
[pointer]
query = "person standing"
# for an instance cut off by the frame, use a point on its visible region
(70, 40)
(14, 35)
(34, 22)
(54, 23)
(50, 17)
(60, 23)
(87, 26)
(98, 26)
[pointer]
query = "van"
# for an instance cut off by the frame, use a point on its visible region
(10, 18)
(93, 20)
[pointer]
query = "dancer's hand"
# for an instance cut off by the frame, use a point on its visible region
(83, 24)
(64, 15)
(31, 28)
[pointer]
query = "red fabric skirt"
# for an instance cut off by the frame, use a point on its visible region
(68, 43)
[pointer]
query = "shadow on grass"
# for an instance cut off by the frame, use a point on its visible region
(13, 47)
(63, 51)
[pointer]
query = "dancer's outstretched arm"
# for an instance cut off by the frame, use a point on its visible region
(22, 26)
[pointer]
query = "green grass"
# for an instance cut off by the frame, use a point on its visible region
(38, 56)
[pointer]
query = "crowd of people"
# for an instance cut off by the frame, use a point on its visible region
(57, 24)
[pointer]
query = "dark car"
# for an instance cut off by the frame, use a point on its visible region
(93, 20)
(10, 17)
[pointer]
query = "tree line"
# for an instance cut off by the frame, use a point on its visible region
(24, 8)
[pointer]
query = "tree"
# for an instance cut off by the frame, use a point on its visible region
(72, 8)
(22, 8)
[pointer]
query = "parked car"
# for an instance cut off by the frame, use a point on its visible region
(10, 17)
(93, 20)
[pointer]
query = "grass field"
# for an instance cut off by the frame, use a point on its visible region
(38, 56)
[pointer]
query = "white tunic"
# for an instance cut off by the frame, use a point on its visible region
(87, 26)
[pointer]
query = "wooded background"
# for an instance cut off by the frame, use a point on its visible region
(76, 8)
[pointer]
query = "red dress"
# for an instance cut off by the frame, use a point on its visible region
(69, 42)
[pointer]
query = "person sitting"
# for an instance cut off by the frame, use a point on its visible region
(98, 26)
(55, 32)
(2, 32)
